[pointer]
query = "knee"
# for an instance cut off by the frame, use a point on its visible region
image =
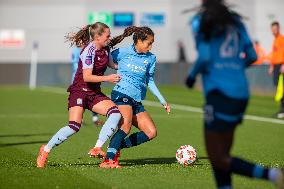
(221, 163)
(152, 133)
(113, 111)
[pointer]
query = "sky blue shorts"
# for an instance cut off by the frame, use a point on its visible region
(122, 99)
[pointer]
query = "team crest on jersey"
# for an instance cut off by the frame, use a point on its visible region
(88, 60)
(79, 101)
(146, 62)
(125, 99)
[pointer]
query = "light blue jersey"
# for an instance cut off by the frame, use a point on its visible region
(222, 60)
(74, 60)
(137, 72)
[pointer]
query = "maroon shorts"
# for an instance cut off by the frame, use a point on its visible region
(78, 98)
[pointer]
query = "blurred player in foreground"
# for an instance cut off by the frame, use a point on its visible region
(224, 52)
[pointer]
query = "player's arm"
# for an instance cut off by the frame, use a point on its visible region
(112, 64)
(203, 49)
(88, 64)
(250, 54)
(154, 89)
(89, 77)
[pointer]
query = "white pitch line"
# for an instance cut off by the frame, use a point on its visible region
(177, 107)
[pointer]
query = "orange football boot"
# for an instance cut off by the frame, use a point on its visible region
(110, 164)
(97, 152)
(42, 157)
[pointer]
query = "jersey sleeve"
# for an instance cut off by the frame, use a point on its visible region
(116, 55)
(87, 57)
(203, 49)
(152, 66)
(195, 26)
(249, 50)
(151, 83)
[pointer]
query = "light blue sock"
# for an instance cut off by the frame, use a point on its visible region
(109, 127)
(59, 137)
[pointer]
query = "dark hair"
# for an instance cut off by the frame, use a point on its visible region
(216, 17)
(86, 34)
(139, 33)
(275, 23)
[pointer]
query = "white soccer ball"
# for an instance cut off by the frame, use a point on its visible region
(186, 155)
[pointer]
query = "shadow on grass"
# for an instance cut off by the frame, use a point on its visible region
(26, 135)
(155, 161)
(74, 164)
(22, 143)
(129, 162)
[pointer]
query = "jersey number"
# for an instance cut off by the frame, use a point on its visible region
(229, 47)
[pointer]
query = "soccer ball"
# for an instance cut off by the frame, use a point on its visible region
(186, 155)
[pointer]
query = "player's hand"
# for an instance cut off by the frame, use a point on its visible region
(190, 82)
(167, 108)
(114, 78)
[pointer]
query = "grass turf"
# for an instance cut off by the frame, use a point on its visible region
(30, 118)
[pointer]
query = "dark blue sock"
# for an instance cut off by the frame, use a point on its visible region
(115, 143)
(134, 139)
(223, 179)
(245, 168)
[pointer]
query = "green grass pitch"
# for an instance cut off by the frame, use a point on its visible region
(30, 118)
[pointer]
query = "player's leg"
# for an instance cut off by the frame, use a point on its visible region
(218, 149)
(111, 111)
(118, 137)
(75, 117)
(218, 145)
(148, 131)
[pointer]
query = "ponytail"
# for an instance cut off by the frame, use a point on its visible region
(86, 34)
(140, 33)
(127, 32)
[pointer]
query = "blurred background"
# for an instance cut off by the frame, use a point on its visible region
(34, 30)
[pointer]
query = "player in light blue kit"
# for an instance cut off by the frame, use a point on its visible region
(136, 66)
(75, 57)
(224, 52)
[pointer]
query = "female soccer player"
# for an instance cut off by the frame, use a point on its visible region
(136, 66)
(76, 51)
(224, 52)
(85, 91)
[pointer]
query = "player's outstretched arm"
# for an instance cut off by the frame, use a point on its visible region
(155, 91)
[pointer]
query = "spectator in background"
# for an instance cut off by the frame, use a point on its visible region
(75, 57)
(181, 52)
(261, 55)
(277, 60)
